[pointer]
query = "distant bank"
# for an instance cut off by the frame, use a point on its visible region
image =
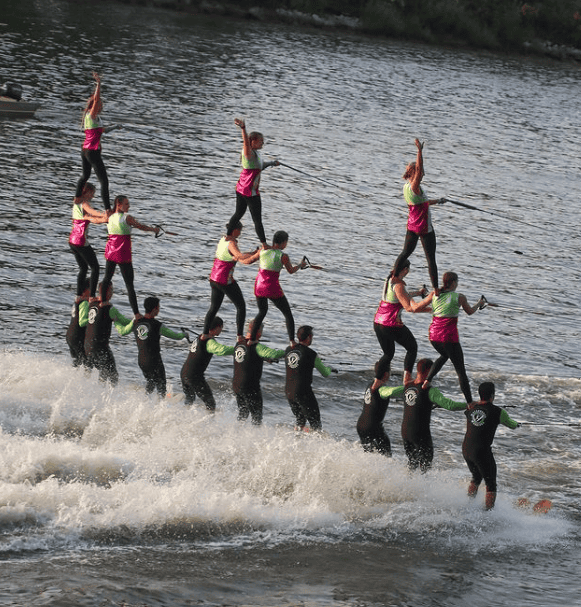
(551, 28)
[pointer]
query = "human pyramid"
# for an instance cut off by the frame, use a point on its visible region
(94, 315)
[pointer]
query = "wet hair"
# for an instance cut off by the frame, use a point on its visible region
(150, 303)
(304, 332)
(410, 170)
(100, 291)
(237, 226)
(86, 284)
(88, 187)
(253, 135)
(118, 200)
(424, 365)
(448, 279)
(382, 367)
(216, 322)
(250, 326)
(486, 390)
(280, 237)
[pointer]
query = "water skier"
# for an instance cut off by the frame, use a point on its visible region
(76, 332)
(419, 224)
(444, 330)
(375, 403)
(148, 331)
(83, 214)
(267, 285)
(482, 420)
(249, 360)
(222, 280)
(300, 361)
(118, 248)
(417, 415)
(199, 357)
(100, 318)
(388, 325)
(247, 194)
(91, 150)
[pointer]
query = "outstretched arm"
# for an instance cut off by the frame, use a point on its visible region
(467, 307)
(407, 302)
(141, 226)
(289, 266)
(245, 258)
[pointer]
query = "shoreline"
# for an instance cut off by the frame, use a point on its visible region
(340, 22)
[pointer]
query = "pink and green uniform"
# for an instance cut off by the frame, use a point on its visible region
(445, 310)
(224, 264)
(249, 179)
(79, 233)
(93, 132)
(419, 218)
(118, 247)
(267, 282)
(389, 311)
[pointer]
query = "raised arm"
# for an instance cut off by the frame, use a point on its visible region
(141, 226)
(417, 178)
(96, 97)
(248, 151)
(467, 307)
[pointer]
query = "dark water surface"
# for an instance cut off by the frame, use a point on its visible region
(110, 497)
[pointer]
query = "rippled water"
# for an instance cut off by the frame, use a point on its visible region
(107, 495)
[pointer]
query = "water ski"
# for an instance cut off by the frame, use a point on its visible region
(540, 507)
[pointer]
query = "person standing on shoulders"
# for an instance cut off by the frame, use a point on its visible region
(201, 353)
(482, 420)
(267, 285)
(300, 361)
(419, 226)
(444, 330)
(249, 360)
(222, 280)
(247, 194)
(118, 248)
(91, 150)
(388, 325)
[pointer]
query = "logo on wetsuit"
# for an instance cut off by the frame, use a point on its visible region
(194, 346)
(143, 332)
(411, 397)
(240, 353)
(367, 397)
(478, 417)
(92, 315)
(293, 359)
(74, 311)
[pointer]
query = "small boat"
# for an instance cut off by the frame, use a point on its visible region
(11, 104)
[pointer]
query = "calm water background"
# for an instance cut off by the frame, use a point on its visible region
(109, 497)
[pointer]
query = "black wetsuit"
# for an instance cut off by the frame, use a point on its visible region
(415, 427)
(97, 335)
(147, 336)
(248, 367)
(76, 338)
(369, 425)
(300, 362)
(192, 374)
(482, 421)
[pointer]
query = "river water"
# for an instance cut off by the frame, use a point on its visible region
(111, 497)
